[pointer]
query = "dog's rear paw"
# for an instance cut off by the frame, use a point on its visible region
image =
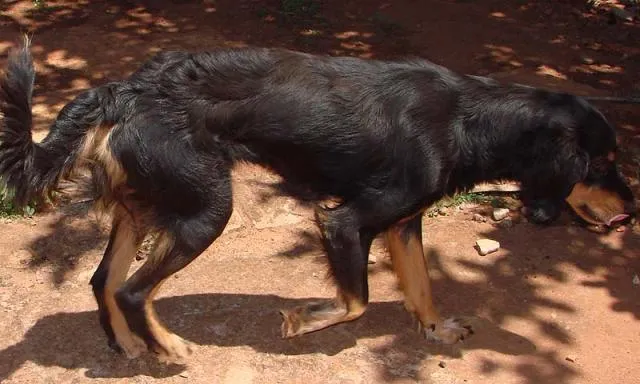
(174, 350)
(449, 331)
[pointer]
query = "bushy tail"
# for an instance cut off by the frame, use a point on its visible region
(32, 170)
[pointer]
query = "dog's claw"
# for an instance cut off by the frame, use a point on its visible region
(175, 351)
(449, 331)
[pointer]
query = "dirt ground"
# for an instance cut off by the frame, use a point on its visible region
(553, 305)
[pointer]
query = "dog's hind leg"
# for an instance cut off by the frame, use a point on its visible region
(405, 245)
(180, 241)
(347, 246)
(109, 276)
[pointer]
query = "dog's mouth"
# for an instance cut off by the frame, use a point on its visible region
(588, 215)
(597, 206)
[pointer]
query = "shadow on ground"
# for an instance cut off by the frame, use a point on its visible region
(79, 44)
(73, 340)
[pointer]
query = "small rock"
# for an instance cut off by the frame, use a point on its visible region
(442, 211)
(500, 213)
(442, 364)
(184, 375)
(635, 280)
(587, 60)
(479, 218)
(570, 359)
(506, 223)
(372, 259)
(621, 228)
(487, 246)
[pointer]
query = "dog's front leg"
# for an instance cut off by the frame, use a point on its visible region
(405, 245)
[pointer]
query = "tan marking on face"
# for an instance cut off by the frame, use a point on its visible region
(595, 205)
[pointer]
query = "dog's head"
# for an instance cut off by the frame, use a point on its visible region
(586, 161)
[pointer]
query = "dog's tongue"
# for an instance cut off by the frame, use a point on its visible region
(617, 218)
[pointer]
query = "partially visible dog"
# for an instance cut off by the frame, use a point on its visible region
(386, 139)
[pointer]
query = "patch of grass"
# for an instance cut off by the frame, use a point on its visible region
(497, 202)
(457, 200)
(8, 209)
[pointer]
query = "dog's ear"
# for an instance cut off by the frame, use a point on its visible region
(561, 164)
(577, 165)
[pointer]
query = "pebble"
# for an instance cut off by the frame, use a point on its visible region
(479, 218)
(500, 213)
(442, 364)
(487, 246)
(587, 60)
(636, 280)
(570, 359)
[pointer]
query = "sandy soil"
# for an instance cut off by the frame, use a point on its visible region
(554, 305)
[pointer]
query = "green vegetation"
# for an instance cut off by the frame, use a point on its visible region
(8, 209)
(457, 200)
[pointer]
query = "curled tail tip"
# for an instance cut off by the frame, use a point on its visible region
(20, 58)
(26, 41)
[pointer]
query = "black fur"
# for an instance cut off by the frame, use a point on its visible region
(33, 170)
(386, 139)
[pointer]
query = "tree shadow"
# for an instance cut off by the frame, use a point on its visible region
(563, 245)
(70, 238)
(75, 340)
(115, 37)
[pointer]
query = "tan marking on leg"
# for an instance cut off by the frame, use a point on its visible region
(319, 315)
(411, 267)
(171, 347)
(124, 250)
(412, 270)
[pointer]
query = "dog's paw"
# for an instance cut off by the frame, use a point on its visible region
(449, 331)
(174, 350)
(129, 344)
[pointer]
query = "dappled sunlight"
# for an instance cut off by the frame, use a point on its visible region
(528, 299)
(503, 55)
(545, 70)
(61, 59)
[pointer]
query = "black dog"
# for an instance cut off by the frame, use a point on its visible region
(385, 139)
